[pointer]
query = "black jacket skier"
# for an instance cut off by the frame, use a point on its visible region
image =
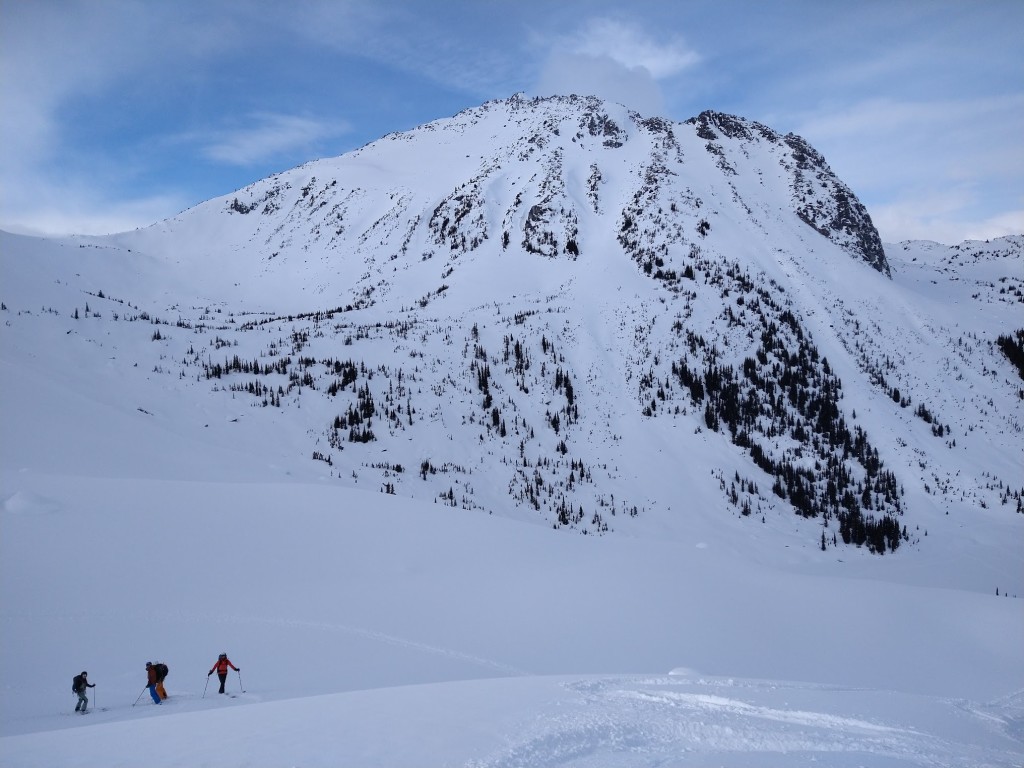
(79, 686)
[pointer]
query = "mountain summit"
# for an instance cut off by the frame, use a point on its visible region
(559, 310)
(558, 177)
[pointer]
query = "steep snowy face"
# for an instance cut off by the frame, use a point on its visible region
(817, 196)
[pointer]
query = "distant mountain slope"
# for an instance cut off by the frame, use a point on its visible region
(560, 310)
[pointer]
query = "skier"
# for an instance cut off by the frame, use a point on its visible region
(221, 667)
(161, 672)
(151, 682)
(78, 685)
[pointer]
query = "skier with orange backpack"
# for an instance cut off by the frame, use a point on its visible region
(221, 668)
(151, 683)
(161, 673)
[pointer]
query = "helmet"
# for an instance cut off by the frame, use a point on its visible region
(223, 655)
(84, 673)
(149, 664)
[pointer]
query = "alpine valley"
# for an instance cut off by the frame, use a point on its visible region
(602, 393)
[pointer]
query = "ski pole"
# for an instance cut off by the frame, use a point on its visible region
(140, 695)
(206, 686)
(240, 686)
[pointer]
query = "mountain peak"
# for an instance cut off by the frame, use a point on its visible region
(709, 124)
(553, 176)
(537, 301)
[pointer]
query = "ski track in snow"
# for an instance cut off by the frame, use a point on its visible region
(380, 637)
(670, 721)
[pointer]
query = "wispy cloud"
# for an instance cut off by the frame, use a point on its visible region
(53, 54)
(43, 62)
(56, 207)
(616, 60)
(271, 136)
(452, 44)
(947, 217)
(631, 47)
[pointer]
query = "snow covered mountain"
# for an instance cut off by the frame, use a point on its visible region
(484, 311)
(686, 337)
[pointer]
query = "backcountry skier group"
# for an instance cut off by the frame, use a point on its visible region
(156, 672)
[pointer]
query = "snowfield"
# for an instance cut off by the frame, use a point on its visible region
(378, 631)
(416, 599)
(609, 721)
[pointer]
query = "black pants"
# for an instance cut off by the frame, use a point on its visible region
(223, 679)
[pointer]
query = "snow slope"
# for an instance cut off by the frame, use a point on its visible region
(149, 511)
(378, 631)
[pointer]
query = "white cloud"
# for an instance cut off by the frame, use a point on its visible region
(447, 43)
(54, 209)
(271, 136)
(1008, 223)
(52, 53)
(614, 60)
(45, 56)
(943, 219)
(601, 76)
(631, 48)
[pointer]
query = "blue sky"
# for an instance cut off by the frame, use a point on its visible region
(117, 113)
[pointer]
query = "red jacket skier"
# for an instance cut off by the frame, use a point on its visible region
(221, 668)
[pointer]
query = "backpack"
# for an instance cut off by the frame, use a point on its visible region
(77, 684)
(161, 671)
